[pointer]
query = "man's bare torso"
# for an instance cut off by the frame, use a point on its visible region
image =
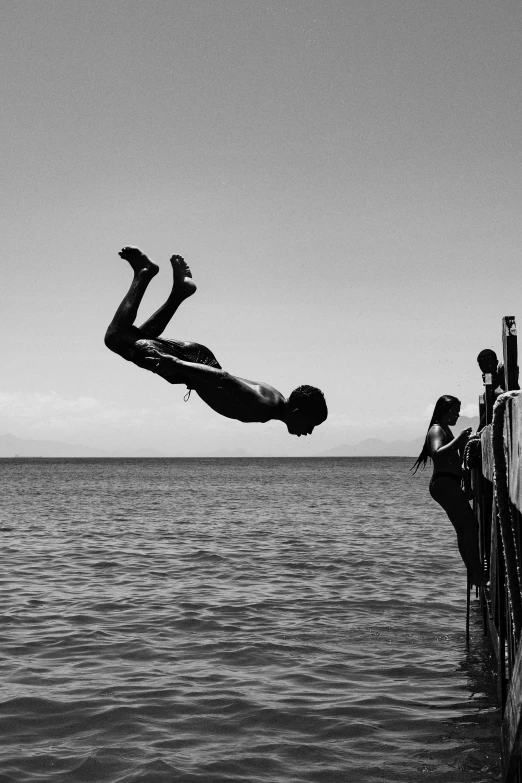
(241, 399)
(230, 396)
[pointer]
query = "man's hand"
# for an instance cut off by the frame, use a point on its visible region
(153, 358)
(162, 363)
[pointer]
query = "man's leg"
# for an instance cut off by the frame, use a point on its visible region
(121, 335)
(183, 287)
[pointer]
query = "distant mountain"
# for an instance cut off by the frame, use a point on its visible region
(11, 446)
(466, 421)
(374, 447)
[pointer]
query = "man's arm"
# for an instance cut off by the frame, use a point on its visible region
(176, 370)
(193, 374)
(228, 395)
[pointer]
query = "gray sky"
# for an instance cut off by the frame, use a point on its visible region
(343, 177)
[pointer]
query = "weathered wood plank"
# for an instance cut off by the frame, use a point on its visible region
(493, 635)
(512, 722)
(513, 445)
(482, 407)
(501, 602)
(487, 453)
(510, 351)
(494, 572)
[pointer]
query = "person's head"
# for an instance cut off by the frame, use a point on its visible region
(487, 361)
(489, 364)
(446, 413)
(307, 409)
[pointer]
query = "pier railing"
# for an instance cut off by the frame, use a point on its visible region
(496, 481)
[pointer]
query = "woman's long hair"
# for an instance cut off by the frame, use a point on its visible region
(442, 406)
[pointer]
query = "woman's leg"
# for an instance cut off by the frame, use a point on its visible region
(448, 494)
(183, 287)
(121, 334)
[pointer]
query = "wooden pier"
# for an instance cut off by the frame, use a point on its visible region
(494, 462)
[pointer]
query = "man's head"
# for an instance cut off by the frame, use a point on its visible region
(487, 361)
(306, 409)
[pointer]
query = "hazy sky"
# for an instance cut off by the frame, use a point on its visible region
(343, 177)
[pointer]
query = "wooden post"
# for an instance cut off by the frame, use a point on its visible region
(501, 476)
(509, 346)
(482, 409)
(488, 396)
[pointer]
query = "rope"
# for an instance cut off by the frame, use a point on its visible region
(504, 510)
(471, 458)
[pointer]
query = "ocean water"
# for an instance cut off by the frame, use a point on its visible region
(283, 620)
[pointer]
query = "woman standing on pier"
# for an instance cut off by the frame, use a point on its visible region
(446, 453)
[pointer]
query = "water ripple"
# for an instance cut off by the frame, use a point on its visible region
(260, 620)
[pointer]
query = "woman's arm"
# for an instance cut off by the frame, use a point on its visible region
(438, 443)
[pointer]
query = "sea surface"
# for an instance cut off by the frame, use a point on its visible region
(211, 620)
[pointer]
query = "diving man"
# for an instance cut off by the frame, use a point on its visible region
(195, 365)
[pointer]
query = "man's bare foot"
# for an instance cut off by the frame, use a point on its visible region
(138, 260)
(184, 285)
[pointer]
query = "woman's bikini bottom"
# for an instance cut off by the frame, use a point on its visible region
(443, 475)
